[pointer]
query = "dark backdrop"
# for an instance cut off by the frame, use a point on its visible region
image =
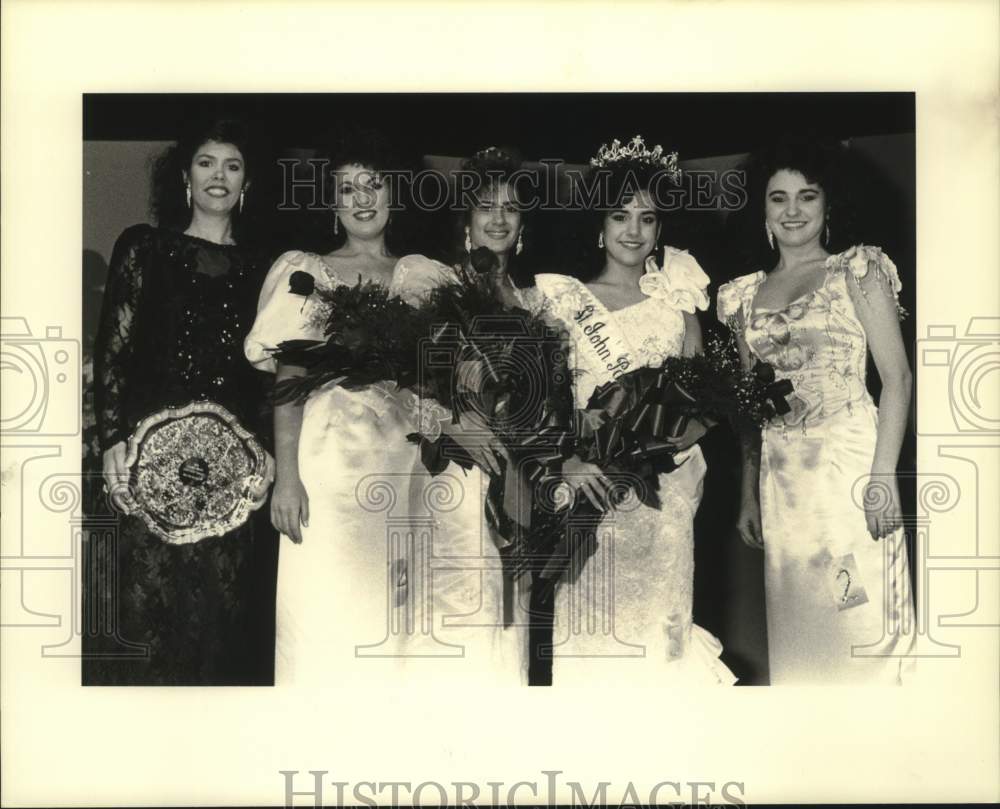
(709, 130)
(568, 125)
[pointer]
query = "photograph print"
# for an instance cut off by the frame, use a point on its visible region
(499, 390)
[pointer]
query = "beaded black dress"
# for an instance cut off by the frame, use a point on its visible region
(176, 309)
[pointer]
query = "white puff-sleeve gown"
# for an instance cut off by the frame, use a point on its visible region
(389, 583)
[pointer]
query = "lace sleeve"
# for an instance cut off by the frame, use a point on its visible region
(114, 347)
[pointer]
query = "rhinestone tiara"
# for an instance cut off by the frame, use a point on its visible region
(636, 152)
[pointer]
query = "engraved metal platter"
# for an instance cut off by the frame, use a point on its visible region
(192, 471)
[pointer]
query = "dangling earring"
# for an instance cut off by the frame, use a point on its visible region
(468, 240)
(519, 246)
(336, 222)
(600, 239)
(243, 192)
(828, 231)
(770, 235)
(387, 236)
(187, 191)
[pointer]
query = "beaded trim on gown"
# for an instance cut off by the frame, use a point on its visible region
(839, 606)
(627, 614)
(174, 309)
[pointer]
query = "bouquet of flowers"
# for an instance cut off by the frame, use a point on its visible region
(624, 425)
(462, 348)
(359, 350)
(624, 430)
(471, 354)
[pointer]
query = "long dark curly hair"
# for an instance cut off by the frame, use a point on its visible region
(354, 144)
(168, 203)
(490, 169)
(821, 161)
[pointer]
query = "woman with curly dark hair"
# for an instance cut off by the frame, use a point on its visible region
(820, 493)
(179, 298)
(494, 212)
(473, 603)
(625, 613)
(346, 595)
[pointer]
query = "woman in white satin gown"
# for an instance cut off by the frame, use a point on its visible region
(470, 602)
(342, 496)
(820, 493)
(626, 616)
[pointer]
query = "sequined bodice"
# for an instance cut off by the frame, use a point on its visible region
(176, 309)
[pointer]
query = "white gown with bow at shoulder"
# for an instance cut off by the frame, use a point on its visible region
(625, 617)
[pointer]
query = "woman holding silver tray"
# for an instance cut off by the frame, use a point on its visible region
(179, 423)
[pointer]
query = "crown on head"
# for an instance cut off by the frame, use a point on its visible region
(493, 159)
(492, 153)
(637, 152)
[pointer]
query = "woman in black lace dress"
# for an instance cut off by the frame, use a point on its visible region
(178, 301)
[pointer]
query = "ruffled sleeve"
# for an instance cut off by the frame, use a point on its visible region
(288, 308)
(682, 283)
(732, 296)
(557, 294)
(415, 275)
(863, 259)
(870, 267)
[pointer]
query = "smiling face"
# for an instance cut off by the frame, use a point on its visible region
(630, 232)
(216, 176)
(495, 222)
(795, 209)
(362, 201)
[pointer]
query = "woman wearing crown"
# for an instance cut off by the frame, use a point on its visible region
(626, 613)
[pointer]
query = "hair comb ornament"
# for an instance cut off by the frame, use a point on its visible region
(636, 152)
(494, 158)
